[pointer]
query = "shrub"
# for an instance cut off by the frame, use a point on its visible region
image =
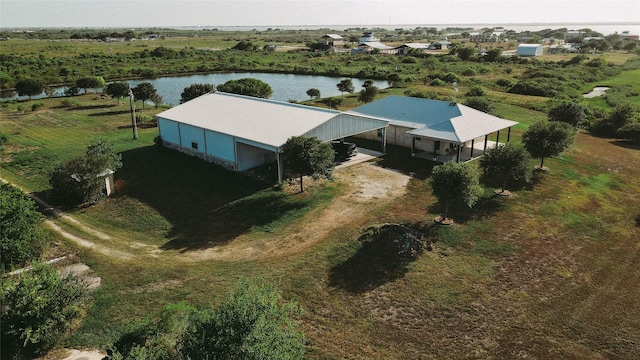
(505, 83)
(21, 239)
(145, 119)
(630, 132)
(69, 103)
(37, 309)
(469, 72)
(437, 82)
(36, 106)
(477, 91)
(409, 60)
(479, 103)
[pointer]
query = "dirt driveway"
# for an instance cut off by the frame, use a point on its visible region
(367, 185)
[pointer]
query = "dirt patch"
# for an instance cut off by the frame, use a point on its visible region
(366, 184)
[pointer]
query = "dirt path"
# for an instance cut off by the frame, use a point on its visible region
(368, 184)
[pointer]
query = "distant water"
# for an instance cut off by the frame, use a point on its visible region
(603, 27)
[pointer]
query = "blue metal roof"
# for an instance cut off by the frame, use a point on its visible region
(434, 119)
(412, 112)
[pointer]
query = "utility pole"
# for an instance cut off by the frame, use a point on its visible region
(134, 123)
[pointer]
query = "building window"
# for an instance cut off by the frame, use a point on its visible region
(380, 131)
(194, 145)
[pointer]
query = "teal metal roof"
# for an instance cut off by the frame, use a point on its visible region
(434, 119)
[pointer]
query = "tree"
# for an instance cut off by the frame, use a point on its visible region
(509, 161)
(194, 90)
(547, 139)
(29, 87)
(247, 86)
(37, 309)
(332, 102)
(156, 99)
(568, 112)
(464, 52)
(117, 90)
(308, 156)
(21, 238)
(368, 94)
(313, 93)
(454, 181)
(82, 177)
(346, 85)
(493, 55)
(143, 92)
(88, 82)
(252, 323)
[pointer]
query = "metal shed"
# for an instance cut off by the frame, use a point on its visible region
(242, 132)
(529, 50)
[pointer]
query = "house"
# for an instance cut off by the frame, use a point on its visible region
(373, 46)
(368, 37)
(529, 50)
(406, 48)
(440, 45)
(333, 40)
(242, 132)
(483, 37)
(438, 130)
(627, 36)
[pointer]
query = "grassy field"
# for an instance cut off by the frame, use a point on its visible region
(550, 273)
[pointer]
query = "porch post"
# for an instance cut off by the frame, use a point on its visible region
(458, 154)
(279, 165)
(498, 138)
(508, 133)
(413, 146)
(384, 140)
(473, 142)
(486, 138)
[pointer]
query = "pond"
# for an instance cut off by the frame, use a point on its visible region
(285, 86)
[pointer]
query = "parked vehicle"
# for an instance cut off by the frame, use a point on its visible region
(344, 150)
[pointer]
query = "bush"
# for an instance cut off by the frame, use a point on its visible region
(21, 239)
(36, 106)
(437, 82)
(69, 103)
(409, 60)
(37, 309)
(630, 132)
(477, 91)
(144, 119)
(469, 72)
(479, 103)
(505, 83)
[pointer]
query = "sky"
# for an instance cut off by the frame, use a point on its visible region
(274, 13)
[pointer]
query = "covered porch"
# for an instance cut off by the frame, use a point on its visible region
(459, 152)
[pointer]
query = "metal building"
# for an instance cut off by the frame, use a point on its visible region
(242, 132)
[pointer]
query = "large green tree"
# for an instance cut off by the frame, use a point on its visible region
(346, 85)
(89, 82)
(21, 238)
(83, 177)
(247, 86)
(368, 94)
(454, 181)
(252, 323)
(117, 90)
(29, 87)
(308, 156)
(36, 309)
(569, 112)
(506, 162)
(313, 93)
(143, 92)
(547, 139)
(194, 90)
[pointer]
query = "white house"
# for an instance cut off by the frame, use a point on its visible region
(437, 130)
(242, 132)
(529, 50)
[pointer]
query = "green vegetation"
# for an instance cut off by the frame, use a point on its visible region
(452, 181)
(38, 307)
(308, 157)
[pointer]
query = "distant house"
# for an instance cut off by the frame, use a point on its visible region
(368, 37)
(529, 50)
(440, 45)
(333, 40)
(437, 130)
(483, 37)
(405, 48)
(627, 36)
(563, 48)
(371, 46)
